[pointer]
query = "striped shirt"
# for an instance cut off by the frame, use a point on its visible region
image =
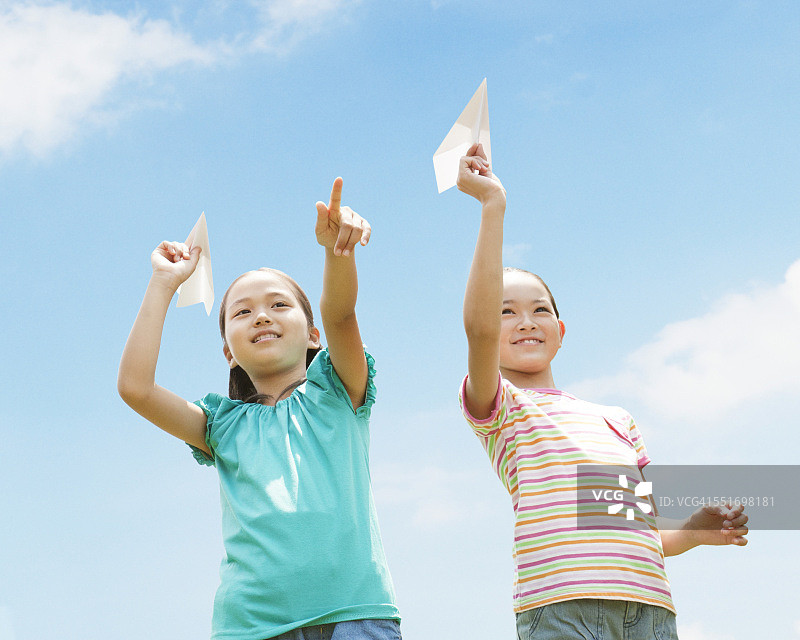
(538, 440)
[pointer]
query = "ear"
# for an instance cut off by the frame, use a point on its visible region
(562, 328)
(313, 338)
(229, 357)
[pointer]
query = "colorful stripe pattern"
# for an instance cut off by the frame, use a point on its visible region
(536, 438)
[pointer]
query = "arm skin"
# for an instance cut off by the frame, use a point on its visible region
(707, 526)
(172, 264)
(338, 229)
(483, 299)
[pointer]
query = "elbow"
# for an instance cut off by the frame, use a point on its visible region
(481, 331)
(335, 317)
(125, 391)
(131, 393)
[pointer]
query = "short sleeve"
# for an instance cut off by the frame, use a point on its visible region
(638, 443)
(496, 418)
(210, 405)
(323, 377)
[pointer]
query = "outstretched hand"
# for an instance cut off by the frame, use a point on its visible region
(175, 261)
(340, 228)
(475, 177)
(719, 525)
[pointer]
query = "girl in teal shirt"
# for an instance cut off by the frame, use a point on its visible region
(303, 553)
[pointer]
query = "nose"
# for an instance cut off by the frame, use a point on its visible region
(262, 318)
(527, 321)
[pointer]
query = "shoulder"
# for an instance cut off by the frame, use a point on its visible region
(323, 379)
(221, 412)
(505, 400)
(216, 406)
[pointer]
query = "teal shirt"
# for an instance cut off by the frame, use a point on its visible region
(302, 544)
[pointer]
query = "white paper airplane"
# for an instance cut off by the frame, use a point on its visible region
(198, 287)
(472, 126)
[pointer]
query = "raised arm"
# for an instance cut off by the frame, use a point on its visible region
(172, 264)
(339, 229)
(484, 296)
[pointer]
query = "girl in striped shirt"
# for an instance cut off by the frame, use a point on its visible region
(575, 577)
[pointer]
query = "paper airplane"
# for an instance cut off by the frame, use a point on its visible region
(198, 287)
(472, 126)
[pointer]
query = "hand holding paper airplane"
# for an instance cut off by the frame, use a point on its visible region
(475, 177)
(471, 127)
(198, 287)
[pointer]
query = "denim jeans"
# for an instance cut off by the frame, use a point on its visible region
(349, 630)
(592, 619)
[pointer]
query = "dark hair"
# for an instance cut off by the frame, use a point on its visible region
(544, 284)
(240, 387)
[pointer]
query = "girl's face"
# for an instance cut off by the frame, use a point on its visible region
(530, 333)
(266, 330)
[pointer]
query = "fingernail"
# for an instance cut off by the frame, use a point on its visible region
(346, 252)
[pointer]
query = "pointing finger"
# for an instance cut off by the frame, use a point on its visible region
(336, 195)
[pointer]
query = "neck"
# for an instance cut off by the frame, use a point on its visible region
(539, 380)
(276, 386)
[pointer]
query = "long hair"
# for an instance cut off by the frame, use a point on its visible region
(544, 284)
(240, 387)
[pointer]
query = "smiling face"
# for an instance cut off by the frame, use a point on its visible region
(530, 332)
(266, 329)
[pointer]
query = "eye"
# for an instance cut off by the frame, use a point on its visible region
(507, 312)
(241, 312)
(542, 310)
(280, 304)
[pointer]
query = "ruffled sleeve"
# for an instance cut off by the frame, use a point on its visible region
(210, 405)
(489, 425)
(322, 376)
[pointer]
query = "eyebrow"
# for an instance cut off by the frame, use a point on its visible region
(534, 301)
(271, 294)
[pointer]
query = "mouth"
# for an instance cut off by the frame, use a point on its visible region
(262, 337)
(529, 341)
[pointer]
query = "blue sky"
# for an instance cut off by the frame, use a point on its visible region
(650, 152)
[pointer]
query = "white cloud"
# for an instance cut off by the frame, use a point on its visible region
(58, 66)
(697, 631)
(745, 349)
(286, 22)
(61, 67)
(797, 628)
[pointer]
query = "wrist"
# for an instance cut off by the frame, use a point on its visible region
(331, 254)
(164, 282)
(690, 535)
(494, 203)
(495, 195)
